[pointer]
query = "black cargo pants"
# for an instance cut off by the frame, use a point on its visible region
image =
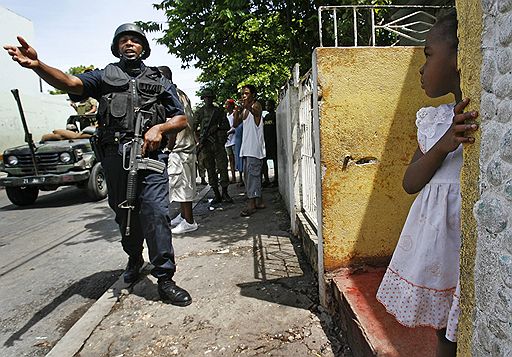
(150, 219)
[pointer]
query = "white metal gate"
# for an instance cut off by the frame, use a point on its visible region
(309, 186)
(409, 22)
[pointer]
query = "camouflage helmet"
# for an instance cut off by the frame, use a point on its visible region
(207, 92)
(133, 29)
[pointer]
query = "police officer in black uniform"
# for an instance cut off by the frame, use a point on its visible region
(120, 88)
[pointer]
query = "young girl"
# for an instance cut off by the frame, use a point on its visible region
(420, 287)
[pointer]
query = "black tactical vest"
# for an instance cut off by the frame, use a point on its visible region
(123, 94)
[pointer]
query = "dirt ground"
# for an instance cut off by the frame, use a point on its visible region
(253, 294)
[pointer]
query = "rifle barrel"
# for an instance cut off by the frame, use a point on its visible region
(28, 136)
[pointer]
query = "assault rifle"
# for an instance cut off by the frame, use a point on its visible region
(137, 162)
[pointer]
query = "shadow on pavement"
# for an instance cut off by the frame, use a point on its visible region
(102, 227)
(280, 277)
(286, 278)
(91, 287)
(66, 196)
(234, 228)
(283, 273)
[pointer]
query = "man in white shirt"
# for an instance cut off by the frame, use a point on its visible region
(253, 147)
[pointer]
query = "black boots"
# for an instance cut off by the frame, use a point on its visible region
(225, 195)
(167, 289)
(171, 293)
(132, 272)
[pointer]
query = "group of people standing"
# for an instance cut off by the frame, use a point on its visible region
(129, 92)
(421, 284)
(239, 135)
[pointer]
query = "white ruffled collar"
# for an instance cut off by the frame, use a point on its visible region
(428, 118)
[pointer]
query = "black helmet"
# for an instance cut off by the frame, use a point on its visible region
(127, 29)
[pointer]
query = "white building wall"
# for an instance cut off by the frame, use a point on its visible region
(43, 112)
(11, 74)
(493, 270)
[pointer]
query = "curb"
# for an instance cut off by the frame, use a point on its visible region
(74, 339)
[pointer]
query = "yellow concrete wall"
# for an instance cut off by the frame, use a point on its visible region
(469, 13)
(369, 100)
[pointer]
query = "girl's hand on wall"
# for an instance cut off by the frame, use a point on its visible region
(462, 123)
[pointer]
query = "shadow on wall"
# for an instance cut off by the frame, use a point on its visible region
(368, 136)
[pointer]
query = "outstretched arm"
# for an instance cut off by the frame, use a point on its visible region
(423, 166)
(26, 56)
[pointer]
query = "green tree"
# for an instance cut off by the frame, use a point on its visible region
(234, 42)
(74, 71)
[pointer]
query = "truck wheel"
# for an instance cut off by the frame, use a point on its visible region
(22, 196)
(97, 186)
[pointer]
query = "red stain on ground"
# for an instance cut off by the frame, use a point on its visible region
(384, 333)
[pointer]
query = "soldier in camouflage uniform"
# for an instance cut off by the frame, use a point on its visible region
(211, 126)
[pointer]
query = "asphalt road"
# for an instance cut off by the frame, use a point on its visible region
(56, 258)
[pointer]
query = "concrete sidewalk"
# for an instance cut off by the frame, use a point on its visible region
(253, 294)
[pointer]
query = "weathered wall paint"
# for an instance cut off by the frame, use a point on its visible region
(470, 60)
(367, 112)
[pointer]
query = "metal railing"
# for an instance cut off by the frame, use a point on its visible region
(308, 170)
(411, 23)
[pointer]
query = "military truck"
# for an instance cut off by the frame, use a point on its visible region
(47, 165)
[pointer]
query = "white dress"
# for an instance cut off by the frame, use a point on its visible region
(420, 286)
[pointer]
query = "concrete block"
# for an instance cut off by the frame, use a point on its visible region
(505, 266)
(508, 190)
(495, 172)
(504, 28)
(502, 86)
(488, 71)
(309, 241)
(504, 5)
(489, 135)
(491, 214)
(504, 60)
(487, 106)
(506, 147)
(504, 112)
